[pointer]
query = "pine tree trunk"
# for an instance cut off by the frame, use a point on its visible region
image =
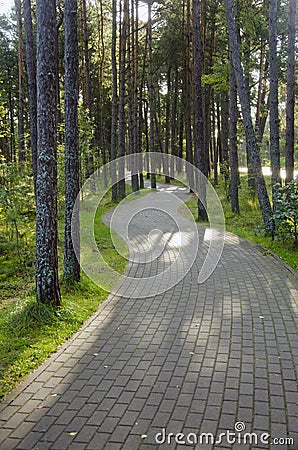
(89, 158)
(290, 93)
(122, 122)
(199, 154)
(233, 145)
(21, 127)
(151, 96)
(72, 181)
(260, 88)
(168, 120)
(12, 147)
(47, 284)
(87, 59)
(100, 102)
(31, 77)
(132, 99)
(225, 134)
(273, 102)
(246, 56)
(114, 101)
(188, 89)
(253, 149)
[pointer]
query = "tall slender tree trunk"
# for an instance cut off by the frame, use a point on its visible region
(180, 140)
(246, 57)
(133, 98)
(199, 154)
(12, 149)
(187, 96)
(168, 120)
(151, 96)
(260, 88)
(88, 90)
(225, 134)
(214, 142)
(122, 122)
(290, 93)
(72, 180)
(60, 19)
(21, 127)
(233, 144)
(100, 102)
(273, 103)
(137, 96)
(31, 77)
(87, 59)
(217, 140)
(253, 149)
(114, 100)
(47, 284)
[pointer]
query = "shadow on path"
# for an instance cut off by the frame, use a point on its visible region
(195, 359)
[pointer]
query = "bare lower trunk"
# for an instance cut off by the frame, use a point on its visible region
(151, 96)
(72, 181)
(233, 145)
(247, 120)
(290, 93)
(31, 77)
(21, 128)
(114, 102)
(273, 99)
(47, 284)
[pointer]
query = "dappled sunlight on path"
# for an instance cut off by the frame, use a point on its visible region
(197, 358)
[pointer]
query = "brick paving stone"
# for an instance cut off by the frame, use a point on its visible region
(10, 444)
(197, 358)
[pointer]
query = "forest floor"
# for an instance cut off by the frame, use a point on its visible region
(197, 358)
(30, 332)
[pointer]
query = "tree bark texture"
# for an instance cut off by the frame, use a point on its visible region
(72, 180)
(47, 285)
(199, 152)
(122, 121)
(21, 127)
(151, 96)
(233, 144)
(290, 93)
(252, 144)
(31, 77)
(273, 99)
(114, 100)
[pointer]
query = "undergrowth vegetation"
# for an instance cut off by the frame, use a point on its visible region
(30, 331)
(249, 224)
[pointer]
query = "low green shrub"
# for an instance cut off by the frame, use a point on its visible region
(285, 199)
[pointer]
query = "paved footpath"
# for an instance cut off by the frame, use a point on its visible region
(196, 359)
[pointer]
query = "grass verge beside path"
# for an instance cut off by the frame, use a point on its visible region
(30, 332)
(249, 223)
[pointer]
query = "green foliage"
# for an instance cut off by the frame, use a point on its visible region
(86, 134)
(31, 331)
(286, 210)
(219, 79)
(249, 223)
(17, 205)
(4, 132)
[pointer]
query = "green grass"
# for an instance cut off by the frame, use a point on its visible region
(29, 331)
(249, 223)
